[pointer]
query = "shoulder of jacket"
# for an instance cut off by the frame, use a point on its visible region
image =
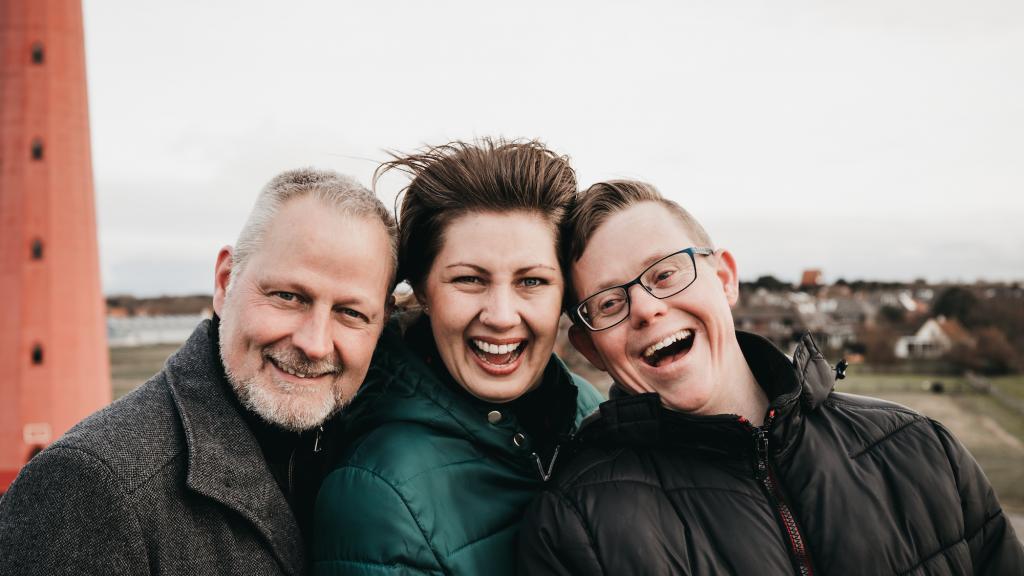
(64, 473)
(869, 421)
(870, 407)
(68, 512)
(134, 437)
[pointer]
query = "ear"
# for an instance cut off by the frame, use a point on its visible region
(580, 338)
(221, 276)
(725, 269)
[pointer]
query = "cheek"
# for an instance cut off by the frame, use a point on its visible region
(356, 348)
(265, 328)
(451, 315)
(544, 314)
(612, 350)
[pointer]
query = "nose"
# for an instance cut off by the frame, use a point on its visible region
(644, 308)
(313, 336)
(500, 311)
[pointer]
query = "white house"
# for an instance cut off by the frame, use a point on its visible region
(934, 339)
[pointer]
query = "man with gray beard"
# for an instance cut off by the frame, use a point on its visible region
(212, 466)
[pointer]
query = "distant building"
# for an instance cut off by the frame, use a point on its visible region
(771, 315)
(811, 278)
(838, 321)
(936, 337)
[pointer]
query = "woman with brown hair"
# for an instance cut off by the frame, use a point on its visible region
(465, 407)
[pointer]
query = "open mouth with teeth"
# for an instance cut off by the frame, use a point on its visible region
(500, 355)
(669, 349)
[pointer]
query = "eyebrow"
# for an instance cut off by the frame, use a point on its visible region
(483, 270)
(646, 264)
(466, 265)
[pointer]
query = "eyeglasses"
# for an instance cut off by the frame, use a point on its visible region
(666, 277)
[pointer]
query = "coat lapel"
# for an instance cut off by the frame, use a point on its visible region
(225, 463)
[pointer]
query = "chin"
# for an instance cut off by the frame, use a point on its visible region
(289, 410)
(498, 393)
(688, 401)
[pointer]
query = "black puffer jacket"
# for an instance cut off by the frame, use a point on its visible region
(831, 484)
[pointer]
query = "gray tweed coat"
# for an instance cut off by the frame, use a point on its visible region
(167, 480)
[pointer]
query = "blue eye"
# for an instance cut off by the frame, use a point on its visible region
(286, 296)
(533, 282)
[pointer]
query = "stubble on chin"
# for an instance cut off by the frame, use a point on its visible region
(285, 405)
(293, 407)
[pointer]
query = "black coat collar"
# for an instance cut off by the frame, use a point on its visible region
(794, 388)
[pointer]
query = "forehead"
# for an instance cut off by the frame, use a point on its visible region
(626, 243)
(319, 248)
(498, 237)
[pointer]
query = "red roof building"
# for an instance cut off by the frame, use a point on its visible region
(811, 278)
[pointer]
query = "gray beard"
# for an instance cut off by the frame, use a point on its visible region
(282, 405)
(294, 412)
(291, 407)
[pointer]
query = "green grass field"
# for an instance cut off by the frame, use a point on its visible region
(130, 367)
(1013, 385)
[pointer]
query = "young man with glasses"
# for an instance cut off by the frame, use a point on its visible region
(717, 453)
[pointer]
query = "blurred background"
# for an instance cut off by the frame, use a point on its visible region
(875, 140)
(862, 160)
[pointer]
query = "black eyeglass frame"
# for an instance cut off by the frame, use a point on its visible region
(577, 312)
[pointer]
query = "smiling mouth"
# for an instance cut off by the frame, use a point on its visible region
(297, 372)
(497, 354)
(669, 349)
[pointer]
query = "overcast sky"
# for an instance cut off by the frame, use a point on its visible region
(873, 139)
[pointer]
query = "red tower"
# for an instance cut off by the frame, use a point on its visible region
(54, 368)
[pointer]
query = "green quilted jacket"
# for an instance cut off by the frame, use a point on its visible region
(429, 484)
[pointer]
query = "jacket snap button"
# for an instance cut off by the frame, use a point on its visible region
(494, 416)
(519, 440)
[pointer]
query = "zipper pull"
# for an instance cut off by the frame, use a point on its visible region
(316, 440)
(761, 445)
(761, 452)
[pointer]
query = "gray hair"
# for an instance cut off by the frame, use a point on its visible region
(342, 192)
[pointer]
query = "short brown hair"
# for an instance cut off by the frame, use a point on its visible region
(486, 175)
(596, 204)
